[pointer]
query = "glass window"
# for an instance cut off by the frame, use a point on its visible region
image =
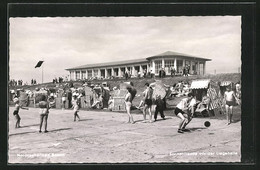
(95, 73)
(83, 74)
(72, 75)
(77, 75)
(158, 66)
(89, 73)
(168, 64)
(179, 66)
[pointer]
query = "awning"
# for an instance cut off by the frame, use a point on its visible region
(225, 83)
(199, 84)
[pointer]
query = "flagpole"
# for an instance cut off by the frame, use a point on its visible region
(42, 72)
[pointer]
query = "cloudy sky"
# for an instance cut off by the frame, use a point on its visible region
(73, 41)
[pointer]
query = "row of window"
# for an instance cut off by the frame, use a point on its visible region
(168, 64)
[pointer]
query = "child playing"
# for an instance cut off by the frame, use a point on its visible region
(75, 106)
(179, 111)
(16, 112)
(230, 101)
(159, 107)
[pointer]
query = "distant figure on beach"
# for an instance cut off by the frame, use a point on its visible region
(16, 112)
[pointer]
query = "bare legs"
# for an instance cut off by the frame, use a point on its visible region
(128, 109)
(76, 116)
(229, 112)
(18, 119)
(146, 107)
(43, 118)
(184, 121)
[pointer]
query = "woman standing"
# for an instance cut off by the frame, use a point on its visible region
(44, 112)
(128, 104)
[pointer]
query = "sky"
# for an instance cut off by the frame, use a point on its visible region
(66, 42)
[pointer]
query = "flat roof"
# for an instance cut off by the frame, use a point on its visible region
(136, 61)
(109, 64)
(175, 54)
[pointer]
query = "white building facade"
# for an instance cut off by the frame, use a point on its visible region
(168, 60)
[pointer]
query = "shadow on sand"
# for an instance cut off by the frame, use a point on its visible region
(81, 120)
(54, 130)
(30, 125)
(147, 120)
(196, 128)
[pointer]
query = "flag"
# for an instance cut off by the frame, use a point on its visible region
(38, 64)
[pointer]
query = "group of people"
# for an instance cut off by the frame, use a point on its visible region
(186, 70)
(184, 110)
(44, 107)
(144, 74)
(33, 81)
(15, 82)
(59, 80)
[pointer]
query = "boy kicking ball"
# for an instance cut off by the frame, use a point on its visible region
(186, 104)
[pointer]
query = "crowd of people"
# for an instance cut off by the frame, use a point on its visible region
(59, 80)
(186, 108)
(33, 82)
(99, 98)
(13, 82)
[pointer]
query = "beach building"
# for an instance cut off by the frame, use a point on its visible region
(167, 60)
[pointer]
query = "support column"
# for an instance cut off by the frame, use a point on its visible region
(163, 63)
(105, 73)
(70, 76)
(112, 72)
(133, 70)
(204, 68)
(99, 73)
(74, 75)
(119, 72)
(198, 68)
(141, 69)
(80, 74)
(175, 64)
(153, 66)
(92, 72)
(86, 74)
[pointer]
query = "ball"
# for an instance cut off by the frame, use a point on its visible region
(207, 123)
